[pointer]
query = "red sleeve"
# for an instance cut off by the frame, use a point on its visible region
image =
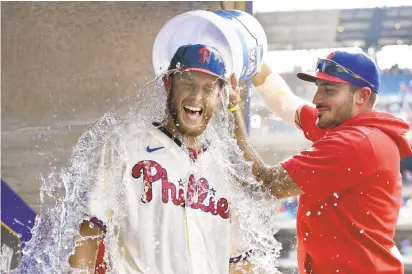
(333, 163)
(308, 122)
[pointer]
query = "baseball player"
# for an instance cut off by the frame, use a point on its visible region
(176, 213)
(348, 181)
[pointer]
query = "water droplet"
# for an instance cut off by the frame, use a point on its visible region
(304, 239)
(321, 206)
(348, 168)
(361, 232)
(360, 172)
(335, 204)
(319, 213)
(308, 213)
(307, 234)
(336, 195)
(387, 183)
(91, 225)
(367, 213)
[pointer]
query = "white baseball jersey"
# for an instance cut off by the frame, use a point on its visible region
(177, 212)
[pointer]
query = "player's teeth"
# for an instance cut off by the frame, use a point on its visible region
(193, 108)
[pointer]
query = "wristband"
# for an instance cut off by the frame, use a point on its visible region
(234, 108)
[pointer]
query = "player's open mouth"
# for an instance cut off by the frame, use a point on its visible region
(193, 113)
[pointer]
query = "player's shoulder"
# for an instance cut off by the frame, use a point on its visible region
(352, 132)
(350, 140)
(133, 129)
(141, 135)
(357, 133)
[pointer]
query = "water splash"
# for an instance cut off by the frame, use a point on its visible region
(64, 193)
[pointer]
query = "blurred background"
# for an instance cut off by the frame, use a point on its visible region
(64, 64)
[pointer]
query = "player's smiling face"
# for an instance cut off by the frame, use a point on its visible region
(334, 103)
(192, 99)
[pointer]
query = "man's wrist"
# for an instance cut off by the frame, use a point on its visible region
(233, 108)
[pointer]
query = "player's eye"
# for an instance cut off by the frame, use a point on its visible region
(208, 88)
(188, 84)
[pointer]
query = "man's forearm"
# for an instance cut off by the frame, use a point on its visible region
(277, 181)
(244, 268)
(277, 95)
(86, 249)
(244, 144)
(274, 179)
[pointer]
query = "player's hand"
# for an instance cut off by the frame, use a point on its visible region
(234, 92)
(260, 77)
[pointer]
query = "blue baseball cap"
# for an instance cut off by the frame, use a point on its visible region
(199, 58)
(348, 68)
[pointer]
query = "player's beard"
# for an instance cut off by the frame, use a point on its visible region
(342, 114)
(174, 114)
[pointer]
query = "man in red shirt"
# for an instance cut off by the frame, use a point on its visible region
(348, 180)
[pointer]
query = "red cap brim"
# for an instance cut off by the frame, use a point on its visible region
(320, 76)
(202, 70)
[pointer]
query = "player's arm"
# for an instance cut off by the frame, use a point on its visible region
(285, 104)
(245, 268)
(86, 247)
(278, 96)
(239, 249)
(275, 179)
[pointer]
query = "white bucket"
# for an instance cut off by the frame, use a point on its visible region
(237, 35)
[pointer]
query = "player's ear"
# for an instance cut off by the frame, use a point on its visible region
(167, 82)
(222, 91)
(220, 94)
(363, 95)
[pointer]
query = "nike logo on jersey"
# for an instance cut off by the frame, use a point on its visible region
(150, 150)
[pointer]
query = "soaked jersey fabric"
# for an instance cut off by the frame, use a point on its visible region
(175, 205)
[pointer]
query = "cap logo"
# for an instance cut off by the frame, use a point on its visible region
(204, 52)
(330, 56)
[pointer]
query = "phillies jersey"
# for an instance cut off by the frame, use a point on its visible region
(176, 214)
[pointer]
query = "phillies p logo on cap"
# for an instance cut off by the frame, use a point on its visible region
(200, 58)
(204, 52)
